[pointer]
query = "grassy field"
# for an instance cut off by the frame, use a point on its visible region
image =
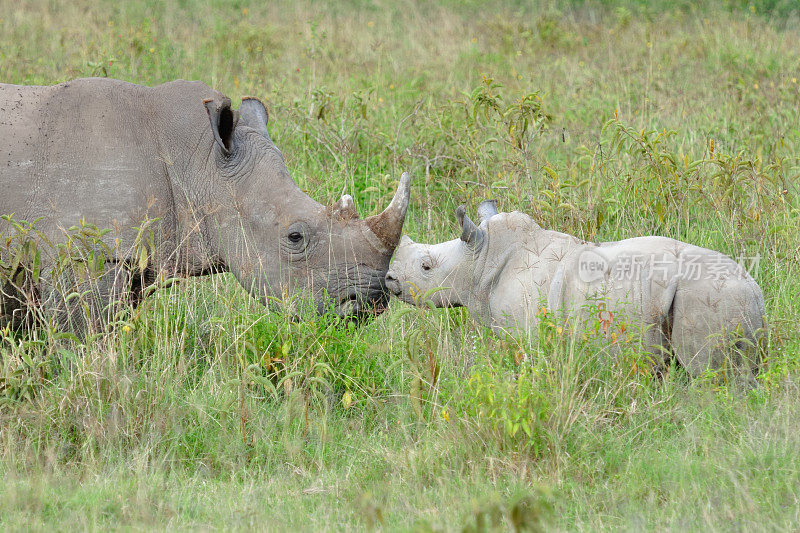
(606, 120)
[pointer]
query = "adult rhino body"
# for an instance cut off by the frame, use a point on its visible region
(115, 154)
(695, 303)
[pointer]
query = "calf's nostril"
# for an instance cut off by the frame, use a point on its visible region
(390, 276)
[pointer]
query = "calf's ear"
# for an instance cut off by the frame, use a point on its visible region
(470, 233)
(487, 209)
(223, 121)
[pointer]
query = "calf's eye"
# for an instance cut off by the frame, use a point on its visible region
(295, 237)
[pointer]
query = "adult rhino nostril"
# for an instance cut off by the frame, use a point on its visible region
(390, 276)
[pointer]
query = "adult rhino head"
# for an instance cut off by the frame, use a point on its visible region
(208, 178)
(278, 241)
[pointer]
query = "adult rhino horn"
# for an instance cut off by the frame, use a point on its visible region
(487, 209)
(388, 225)
(470, 233)
(345, 208)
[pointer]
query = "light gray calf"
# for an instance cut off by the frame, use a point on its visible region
(695, 303)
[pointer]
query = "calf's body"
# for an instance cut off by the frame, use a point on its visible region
(695, 303)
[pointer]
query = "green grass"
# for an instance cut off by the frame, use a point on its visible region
(597, 118)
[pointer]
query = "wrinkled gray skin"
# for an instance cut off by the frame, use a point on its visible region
(114, 154)
(683, 298)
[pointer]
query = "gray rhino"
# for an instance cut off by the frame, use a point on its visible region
(114, 154)
(692, 302)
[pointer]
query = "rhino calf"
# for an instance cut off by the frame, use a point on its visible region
(697, 304)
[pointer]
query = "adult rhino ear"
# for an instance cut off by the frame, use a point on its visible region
(470, 233)
(487, 209)
(223, 121)
(254, 114)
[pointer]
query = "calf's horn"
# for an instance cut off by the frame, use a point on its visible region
(388, 225)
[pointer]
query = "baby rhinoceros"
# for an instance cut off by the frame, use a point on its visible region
(695, 304)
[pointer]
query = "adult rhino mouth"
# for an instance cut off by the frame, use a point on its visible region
(361, 305)
(363, 300)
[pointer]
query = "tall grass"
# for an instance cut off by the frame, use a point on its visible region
(202, 409)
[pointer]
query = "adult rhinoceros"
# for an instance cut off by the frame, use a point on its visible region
(690, 301)
(114, 154)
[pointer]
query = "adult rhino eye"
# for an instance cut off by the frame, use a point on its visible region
(426, 267)
(297, 239)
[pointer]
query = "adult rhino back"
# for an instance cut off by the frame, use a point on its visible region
(113, 154)
(87, 149)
